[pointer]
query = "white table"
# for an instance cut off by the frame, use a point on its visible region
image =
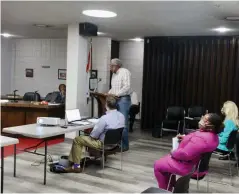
(5, 141)
(45, 133)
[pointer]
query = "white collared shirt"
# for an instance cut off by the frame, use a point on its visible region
(120, 82)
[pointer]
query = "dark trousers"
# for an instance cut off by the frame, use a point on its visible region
(237, 146)
(133, 111)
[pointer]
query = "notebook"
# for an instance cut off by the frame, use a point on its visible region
(175, 143)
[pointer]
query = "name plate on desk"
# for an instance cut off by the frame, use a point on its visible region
(48, 121)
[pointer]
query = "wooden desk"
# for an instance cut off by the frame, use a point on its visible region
(23, 113)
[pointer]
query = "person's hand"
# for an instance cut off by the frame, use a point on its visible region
(180, 137)
(113, 95)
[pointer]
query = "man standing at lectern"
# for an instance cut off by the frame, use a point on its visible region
(120, 89)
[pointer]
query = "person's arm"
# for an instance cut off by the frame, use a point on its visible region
(126, 84)
(195, 146)
(98, 128)
(229, 127)
(110, 91)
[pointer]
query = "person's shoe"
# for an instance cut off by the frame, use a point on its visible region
(74, 169)
(131, 130)
(223, 158)
(232, 157)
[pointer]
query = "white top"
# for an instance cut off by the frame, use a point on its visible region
(121, 82)
(6, 141)
(134, 98)
(40, 132)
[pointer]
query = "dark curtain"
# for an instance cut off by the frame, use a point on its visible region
(186, 71)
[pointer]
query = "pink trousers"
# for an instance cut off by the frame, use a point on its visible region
(166, 166)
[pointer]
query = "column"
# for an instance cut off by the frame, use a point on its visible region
(76, 83)
(101, 54)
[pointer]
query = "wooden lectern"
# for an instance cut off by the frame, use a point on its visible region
(101, 100)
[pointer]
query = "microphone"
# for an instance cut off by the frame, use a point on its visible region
(98, 81)
(14, 95)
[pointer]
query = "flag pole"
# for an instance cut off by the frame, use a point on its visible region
(92, 98)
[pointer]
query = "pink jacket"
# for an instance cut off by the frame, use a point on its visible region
(191, 148)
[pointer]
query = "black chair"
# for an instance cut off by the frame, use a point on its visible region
(112, 141)
(194, 115)
(32, 96)
(181, 186)
(203, 166)
(230, 146)
(174, 120)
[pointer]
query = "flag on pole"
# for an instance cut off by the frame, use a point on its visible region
(89, 62)
(88, 69)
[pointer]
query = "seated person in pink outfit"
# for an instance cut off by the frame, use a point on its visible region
(188, 154)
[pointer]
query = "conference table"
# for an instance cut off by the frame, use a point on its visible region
(44, 133)
(5, 141)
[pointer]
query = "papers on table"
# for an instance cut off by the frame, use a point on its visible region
(93, 120)
(4, 101)
(80, 123)
(54, 104)
(175, 143)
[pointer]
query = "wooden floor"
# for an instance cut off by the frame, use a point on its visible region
(137, 174)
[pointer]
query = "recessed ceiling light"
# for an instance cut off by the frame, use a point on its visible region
(99, 13)
(137, 39)
(222, 29)
(6, 35)
(232, 18)
(42, 25)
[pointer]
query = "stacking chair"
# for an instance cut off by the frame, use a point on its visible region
(111, 143)
(203, 166)
(194, 115)
(230, 146)
(174, 119)
(181, 186)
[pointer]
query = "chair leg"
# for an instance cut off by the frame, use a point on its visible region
(84, 160)
(230, 168)
(103, 158)
(197, 183)
(178, 127)
(237, 168)
(169, 181)
(121, 156)
(207, 183)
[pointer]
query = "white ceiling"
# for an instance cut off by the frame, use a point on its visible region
(134, 18)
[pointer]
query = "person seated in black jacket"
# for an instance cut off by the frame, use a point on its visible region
(62, 90)
(57, 97)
